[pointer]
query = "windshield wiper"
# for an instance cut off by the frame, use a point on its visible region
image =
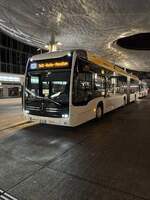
(48, 98)
(32, 94)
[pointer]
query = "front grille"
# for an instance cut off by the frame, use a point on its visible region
(47, 112)
(33, 108)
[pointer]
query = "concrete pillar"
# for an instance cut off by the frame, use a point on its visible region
(128, 89)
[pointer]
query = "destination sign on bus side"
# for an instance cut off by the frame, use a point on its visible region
(53, 65)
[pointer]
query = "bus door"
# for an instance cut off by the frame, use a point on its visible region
(82, 93)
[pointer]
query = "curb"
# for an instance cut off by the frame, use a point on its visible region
(15, 125)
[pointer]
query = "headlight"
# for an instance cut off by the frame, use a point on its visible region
(65, 115)
(27, 111)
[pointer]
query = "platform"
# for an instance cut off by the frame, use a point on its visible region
(10, 112)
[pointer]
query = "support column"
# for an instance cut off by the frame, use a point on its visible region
(128, 89)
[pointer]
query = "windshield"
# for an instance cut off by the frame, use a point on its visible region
(47, 87)
(49, 79)
(52, 85)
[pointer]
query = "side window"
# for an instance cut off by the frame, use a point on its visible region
(82, 84)
(107, 82)
(85, 81)
(109, 86)
(116, 84)
(122, 85)
(99, 86)
(134, 86)
(33, 84)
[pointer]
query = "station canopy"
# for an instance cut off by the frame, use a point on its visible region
(94, 25)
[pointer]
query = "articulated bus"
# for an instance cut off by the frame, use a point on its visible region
(72, 87)
(143, 89)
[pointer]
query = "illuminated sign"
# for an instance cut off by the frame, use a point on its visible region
(9, 78)
(33, 66)
(102, 71)
(34, 79)
(53, 65)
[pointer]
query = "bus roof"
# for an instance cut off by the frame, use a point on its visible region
(108, 65)
(50, 55)
(90, 56)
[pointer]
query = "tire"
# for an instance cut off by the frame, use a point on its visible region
(124, 102)
(99, 112)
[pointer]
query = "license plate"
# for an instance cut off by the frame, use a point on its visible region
(42, 121)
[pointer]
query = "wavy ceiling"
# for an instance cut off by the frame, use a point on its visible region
(88, 24)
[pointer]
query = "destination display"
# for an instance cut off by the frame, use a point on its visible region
(53, 65)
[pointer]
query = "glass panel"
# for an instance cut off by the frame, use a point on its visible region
(121, 84)
(54, 86)
(82, 89)
(34, 80)
(99, 86)
(134, 86)
(60, 91)
(33, 86)
(88, 83)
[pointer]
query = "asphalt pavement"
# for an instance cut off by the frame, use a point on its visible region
(106, 160)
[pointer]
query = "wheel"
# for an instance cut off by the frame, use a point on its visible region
(135, 98)
(124, 102)
(99, 112)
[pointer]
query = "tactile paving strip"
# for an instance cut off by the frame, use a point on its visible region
(6, 196)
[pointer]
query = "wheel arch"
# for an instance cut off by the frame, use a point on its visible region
(125, 98)
(101, 104)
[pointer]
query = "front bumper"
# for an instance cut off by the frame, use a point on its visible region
(48, 120)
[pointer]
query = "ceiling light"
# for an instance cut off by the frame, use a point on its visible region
(46, 46)
(59, 17)
(59, 43)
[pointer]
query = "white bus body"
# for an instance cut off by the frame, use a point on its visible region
(95, 88)
(143, 89)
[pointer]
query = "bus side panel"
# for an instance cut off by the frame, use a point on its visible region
(145, 92)
(82, 114)
(132, 97)
(114, 102)
(137, 95)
